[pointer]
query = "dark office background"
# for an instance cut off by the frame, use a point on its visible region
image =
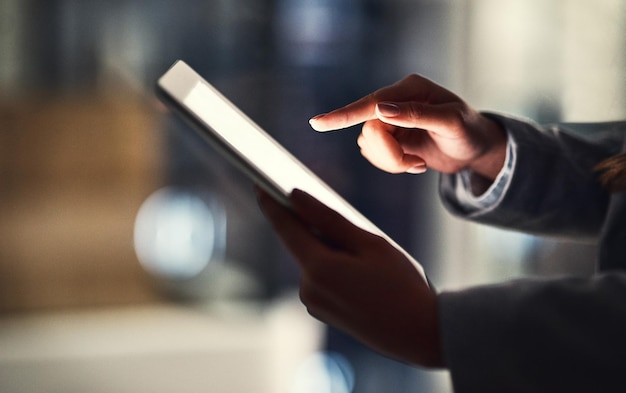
(89, 159)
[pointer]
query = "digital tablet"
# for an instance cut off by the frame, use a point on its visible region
(249, 147)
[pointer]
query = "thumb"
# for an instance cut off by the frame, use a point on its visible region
(329, 224)
(445, 119)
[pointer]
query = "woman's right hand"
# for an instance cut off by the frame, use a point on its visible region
(416, 124)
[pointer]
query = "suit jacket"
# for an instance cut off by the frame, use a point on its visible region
(545, 335)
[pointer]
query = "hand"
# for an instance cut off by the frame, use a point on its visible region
(415, 124)
(360, 284)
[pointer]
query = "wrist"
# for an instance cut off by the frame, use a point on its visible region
(424, 342)
(433, 354)
(490, 162)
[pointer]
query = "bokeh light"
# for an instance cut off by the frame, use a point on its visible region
(178, 234)
(324, 372)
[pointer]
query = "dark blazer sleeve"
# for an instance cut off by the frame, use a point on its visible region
(559, 335)
(542, 335)
(553, 189)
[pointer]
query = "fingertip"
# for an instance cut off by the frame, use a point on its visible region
(345, 117)
(297, 193)
(307, 207)
(418, 169)
(414, 164)
(300, 198)
(316, 124)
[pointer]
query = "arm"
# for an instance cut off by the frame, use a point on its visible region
(531, 335)
(525, 335)
(559, 335)
(551, 188)
(416, 124)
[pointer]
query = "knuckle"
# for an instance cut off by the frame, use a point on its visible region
(367, 131)
(376, 242)
(415, 111)
(456, 121)
(305, 294)
(413, 77)
(373, 97)
(360, 141)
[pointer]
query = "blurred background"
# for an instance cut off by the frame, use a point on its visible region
(133, 258)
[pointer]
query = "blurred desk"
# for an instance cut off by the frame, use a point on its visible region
(159, 348)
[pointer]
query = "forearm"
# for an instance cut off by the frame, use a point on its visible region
(552, 187)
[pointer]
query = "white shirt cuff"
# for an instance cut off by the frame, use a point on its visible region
(467, 181)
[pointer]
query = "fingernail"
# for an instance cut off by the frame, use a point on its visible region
(316, 125)
(314, 118)
(417, 169)
(388, 109)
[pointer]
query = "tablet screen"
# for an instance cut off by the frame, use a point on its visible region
(249, 146)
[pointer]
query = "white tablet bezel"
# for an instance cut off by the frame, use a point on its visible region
(249, 147)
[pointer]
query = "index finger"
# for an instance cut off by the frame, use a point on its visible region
(352, 114)
(411, 87)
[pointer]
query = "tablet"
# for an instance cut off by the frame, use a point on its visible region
(249, 147)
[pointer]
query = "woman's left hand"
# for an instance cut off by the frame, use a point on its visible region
(357, 282)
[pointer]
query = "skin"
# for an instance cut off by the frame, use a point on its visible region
(354, 280)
